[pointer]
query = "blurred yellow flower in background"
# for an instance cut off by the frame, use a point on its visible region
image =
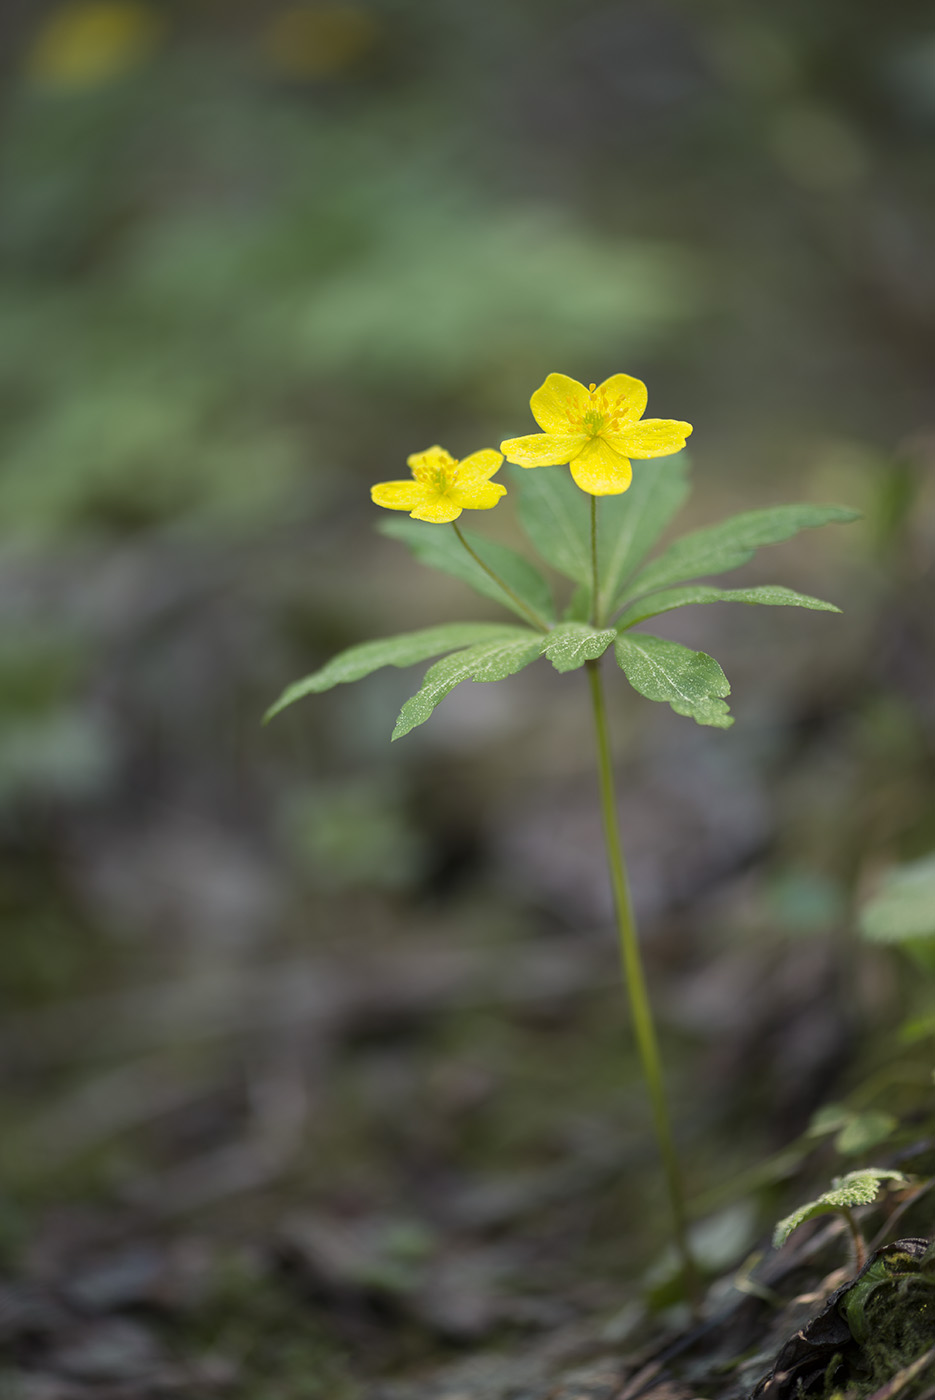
(84, 44)
(596, 431)
(317, 41)
(442, 486)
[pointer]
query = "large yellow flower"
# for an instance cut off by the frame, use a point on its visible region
(442, 486)
(596, 431)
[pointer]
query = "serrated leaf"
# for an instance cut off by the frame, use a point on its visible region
(402, 650)
(556, 516)
(488, 661)
(904, 906)
(690, 681)
(726, 546)
(630, 524)
(441, 549)
(859, 1188)
(767, 594)
(571, 644)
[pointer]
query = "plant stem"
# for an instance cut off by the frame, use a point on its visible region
(595, 611)
(635, 982)
(860, 1248)
(529, 612)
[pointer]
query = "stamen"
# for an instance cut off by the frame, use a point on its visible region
(591, 388)
(436, 470)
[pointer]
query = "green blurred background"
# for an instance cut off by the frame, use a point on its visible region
(252, 255)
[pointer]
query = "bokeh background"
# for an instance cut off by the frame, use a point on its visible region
(314, 1065)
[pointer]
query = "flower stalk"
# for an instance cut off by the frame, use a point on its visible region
(527, 611)
(595, 576)
(635, 983)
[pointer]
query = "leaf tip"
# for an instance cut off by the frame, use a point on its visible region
(401, 728)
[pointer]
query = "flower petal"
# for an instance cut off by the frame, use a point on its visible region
(625, 397)
(437, 510)
(543, 449)
(480, 495)
(654, 437)
(480, 466)
(559, 402)
(397, 495)
(601, 471)
(432, 457)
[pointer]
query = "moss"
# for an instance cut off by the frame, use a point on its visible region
(901, 1320)
(895, 1325)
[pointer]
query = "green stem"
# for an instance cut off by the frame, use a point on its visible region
(860, 1248)
(533, 616)
(595, 611)
(635, 982)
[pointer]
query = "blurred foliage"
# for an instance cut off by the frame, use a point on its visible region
(903, 909)
(855, 1132)
(355, 834)
(49, 744)
(206, 280)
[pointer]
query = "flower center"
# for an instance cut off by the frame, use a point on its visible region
(435, 477)
(436, 471)
(600, 416)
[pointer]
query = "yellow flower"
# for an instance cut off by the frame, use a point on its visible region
(87, 42)
(596, 431)
(442, 486)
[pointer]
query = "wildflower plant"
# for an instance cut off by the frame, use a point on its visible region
(858, 1188)
(597, 431)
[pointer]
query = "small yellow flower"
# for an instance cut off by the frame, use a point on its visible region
(596, 431)
(442, 486)
(86, 42)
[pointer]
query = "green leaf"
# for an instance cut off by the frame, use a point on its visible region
(726, 546)
(858, 1188)
(865, 1130)
(488, 661)
(556, 515)
(769, 594)
(401, 650)
(571, 644)
(578, 608)
(904, 906)
(441, 549)
(630, 524)
(917, 1028)
(690, 681)
(855, 1132)
(830, 1118)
